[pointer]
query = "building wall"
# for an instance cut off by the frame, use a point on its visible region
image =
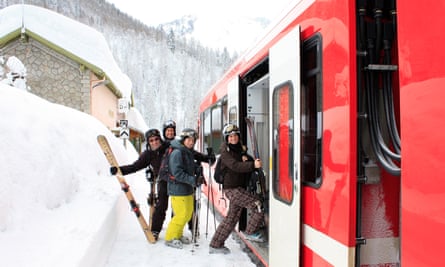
(61, 80)
(104, 104)
(52, 75)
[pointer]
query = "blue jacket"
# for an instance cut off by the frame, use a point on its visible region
(182, 167)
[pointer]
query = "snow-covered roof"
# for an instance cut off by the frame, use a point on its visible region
(78, 40)
(136, 121)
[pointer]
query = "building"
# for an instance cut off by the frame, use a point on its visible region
(68, 63)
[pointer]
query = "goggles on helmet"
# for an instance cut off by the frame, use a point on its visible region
(231, 129)
(189, 133)
(152, 132)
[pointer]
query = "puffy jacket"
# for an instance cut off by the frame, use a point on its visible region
(182, 166)
(237, 172)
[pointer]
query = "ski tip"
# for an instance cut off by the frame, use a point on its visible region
(102, 139)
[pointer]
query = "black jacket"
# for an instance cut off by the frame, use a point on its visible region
(148, 157)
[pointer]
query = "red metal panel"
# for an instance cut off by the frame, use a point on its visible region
(422, 81)
(331, 208)
(312, 259)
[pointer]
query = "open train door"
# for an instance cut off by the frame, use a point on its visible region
(284, 108)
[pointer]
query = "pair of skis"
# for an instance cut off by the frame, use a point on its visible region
(259, 173)
(105, 146)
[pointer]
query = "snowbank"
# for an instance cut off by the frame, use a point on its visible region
(58, 204)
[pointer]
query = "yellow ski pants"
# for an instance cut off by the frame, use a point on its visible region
(183, 211)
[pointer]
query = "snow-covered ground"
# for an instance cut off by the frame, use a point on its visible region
(59, 206)
(132, 249)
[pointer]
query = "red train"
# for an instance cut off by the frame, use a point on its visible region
(347, 99)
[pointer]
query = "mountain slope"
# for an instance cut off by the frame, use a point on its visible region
(233, 33)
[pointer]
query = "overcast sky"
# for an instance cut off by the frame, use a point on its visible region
(154, 12)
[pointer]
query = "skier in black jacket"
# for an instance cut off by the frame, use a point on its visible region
(151, 158)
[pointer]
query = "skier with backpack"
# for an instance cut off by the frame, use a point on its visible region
(237, 167)
(182, 179)
(169, 133)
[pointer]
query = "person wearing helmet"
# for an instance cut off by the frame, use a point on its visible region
(169, 133)
(169, 130)
(151, 159)
(151, 156)
(238, 167)
(181, 187)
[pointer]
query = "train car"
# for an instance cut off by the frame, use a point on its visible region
(346, 99)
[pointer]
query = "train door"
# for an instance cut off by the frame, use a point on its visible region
(257, 109)
(284, 222)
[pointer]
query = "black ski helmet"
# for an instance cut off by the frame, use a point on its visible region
(151, 133)
(229, 129)
(187, 132)
(168, 124)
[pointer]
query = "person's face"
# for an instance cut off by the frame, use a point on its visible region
(170, 133)
(154, 142)
(189, 142)
(233, 139)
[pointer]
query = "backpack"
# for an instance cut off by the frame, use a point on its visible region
(219, 172)
(164, 172)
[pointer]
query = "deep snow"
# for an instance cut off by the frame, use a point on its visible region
(59, 206)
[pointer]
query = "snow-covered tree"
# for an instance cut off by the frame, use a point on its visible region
(13, 72)
(171, 41)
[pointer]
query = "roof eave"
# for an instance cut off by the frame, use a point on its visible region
(13, 35)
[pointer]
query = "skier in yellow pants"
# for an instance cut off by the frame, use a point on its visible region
(181, 186)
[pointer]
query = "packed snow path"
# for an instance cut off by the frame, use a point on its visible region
(132, 249)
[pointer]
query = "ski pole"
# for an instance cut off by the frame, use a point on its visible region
(197, 210)
(209, 190)
(195, 218)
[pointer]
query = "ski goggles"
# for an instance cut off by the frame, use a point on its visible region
(231, 129)
(152, 132)
(189, 133)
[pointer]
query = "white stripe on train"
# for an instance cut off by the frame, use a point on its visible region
(377, 250)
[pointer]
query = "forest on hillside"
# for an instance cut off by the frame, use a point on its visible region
(170, 74)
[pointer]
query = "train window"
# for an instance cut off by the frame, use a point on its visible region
(311, 111)
(283, 136)
(216, 126)
(206, 123)
(233, 115)
(224, 111)
(213, 120)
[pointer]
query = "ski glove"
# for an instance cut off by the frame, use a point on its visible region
(211, 158)
(200, 180)
(149, 175)
(113, 170)
(199, 177)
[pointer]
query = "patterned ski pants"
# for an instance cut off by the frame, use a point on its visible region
(239, 199)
